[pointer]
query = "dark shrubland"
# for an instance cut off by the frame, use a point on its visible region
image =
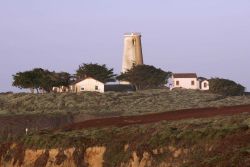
(225, 87)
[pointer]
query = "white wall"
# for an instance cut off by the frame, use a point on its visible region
(203, 83)
(186, 83)
(89, 84)
(60, 89)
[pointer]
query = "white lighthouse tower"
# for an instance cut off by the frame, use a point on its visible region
(132, 53)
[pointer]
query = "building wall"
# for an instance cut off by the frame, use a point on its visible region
(132, 53)
(60, 89)
(89, 84)
(72, 88)
(204, 85)
(186, 83)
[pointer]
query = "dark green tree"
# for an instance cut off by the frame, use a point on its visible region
(22, 80)
(47, 80)
(225, 87)
(40, 79)
(27, 80)
(145, 77)
(99, 72)
(62, 78)
(53, 79)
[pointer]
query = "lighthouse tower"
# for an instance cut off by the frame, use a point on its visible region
(132, 53)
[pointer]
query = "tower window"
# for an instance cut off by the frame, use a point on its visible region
(192, 82)
(133, 42)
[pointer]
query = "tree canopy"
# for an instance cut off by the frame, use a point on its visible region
(225, 87)
(145, 77)
(99, 72)
(40, 79)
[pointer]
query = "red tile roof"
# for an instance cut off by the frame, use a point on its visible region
(184, 75)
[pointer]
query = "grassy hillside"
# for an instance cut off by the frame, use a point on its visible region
(111, 103)
(219, 141)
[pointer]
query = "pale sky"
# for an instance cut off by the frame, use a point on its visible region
(209, 37)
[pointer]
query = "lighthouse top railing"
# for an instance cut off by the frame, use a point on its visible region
(132, 34)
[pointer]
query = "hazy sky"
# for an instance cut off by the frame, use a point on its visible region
(209, 37)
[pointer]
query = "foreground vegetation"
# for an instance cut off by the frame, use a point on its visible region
(111, 103)
(219, 141)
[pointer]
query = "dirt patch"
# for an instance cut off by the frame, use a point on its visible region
(18, 155)
(4, 148)
(60, 157)
(42, 159)
(165, 116)
(233, 150)
(78, 156)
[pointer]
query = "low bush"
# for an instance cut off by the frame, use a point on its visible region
(225, 87)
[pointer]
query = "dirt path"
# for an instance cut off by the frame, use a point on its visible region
(15, 125)
(168, 116)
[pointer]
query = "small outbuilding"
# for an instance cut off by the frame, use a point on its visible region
(189, 81)
(185, 80)
(92, 85)
(203, 83)
(87, 84)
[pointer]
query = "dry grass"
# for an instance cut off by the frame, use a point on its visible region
(111, 103)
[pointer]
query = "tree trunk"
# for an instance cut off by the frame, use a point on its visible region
(37, 90)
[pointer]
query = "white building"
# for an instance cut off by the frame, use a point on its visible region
(92, 85)
(87, 84)
(189, 81)
(203, 83)
(60, 89)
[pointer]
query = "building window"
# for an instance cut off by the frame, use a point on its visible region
(82, 88)
(96, 87)
(177, 83)
(192, 82)
(205, 85)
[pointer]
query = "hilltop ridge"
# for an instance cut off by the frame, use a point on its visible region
(114, 104)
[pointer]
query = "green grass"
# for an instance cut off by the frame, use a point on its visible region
(111, 103)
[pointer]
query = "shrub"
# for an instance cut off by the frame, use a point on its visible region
(145, 77)
(225, 87)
